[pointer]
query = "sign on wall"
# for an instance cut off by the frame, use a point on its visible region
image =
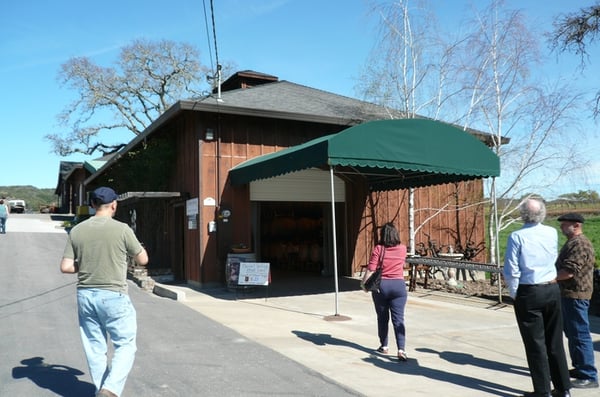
(191, 207)
(191, 211)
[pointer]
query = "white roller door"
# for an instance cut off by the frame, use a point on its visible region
(312, 185)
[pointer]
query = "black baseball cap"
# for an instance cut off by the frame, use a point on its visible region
(571, 217)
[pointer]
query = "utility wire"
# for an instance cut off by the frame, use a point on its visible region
(212, 13)
(212, 66)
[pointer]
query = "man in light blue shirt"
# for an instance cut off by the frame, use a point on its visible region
(530, 275)
(529, 251)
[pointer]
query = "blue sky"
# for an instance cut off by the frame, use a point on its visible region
(318, 43)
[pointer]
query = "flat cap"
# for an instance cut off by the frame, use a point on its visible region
(571, 217)
(103, 195)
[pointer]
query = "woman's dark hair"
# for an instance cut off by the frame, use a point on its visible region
(389, 236)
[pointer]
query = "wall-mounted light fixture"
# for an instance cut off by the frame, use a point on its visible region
(209, 135)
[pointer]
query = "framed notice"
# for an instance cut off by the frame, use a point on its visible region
(191, 207)
(253, 273)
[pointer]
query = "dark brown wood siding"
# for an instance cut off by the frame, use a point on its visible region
(238, 139)
(150, 224)
(70, 192)
(184, 179)
(201, 169)
(450, 214)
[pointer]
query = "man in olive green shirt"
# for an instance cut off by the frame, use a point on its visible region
(97, 250)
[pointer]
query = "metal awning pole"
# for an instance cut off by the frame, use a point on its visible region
(496, 236)
(335, 264)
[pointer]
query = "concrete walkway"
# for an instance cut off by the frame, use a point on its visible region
(457, 346)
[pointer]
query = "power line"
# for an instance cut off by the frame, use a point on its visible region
(212, 13)
(212, 66)
(216, 74)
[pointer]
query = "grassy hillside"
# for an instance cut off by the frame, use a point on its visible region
(34, 197)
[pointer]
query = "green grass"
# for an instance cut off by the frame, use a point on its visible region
(591, 228)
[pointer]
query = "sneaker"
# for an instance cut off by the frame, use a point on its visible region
(584, 383)
(383, 349)
(402, 355)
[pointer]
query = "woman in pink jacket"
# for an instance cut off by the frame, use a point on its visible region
(392, 294)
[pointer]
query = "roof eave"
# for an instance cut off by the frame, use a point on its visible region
(244, 111)
(221, 108)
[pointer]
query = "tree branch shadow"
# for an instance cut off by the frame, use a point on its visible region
(57, 378)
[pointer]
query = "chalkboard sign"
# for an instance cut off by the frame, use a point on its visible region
(253, 273)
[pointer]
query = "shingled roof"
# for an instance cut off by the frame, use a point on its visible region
(302, 101)
(250, 93)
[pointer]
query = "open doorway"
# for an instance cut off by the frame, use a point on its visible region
(291, 236)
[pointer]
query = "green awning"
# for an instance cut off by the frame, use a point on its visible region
(391, 154)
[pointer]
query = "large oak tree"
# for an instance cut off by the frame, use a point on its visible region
(147, 78)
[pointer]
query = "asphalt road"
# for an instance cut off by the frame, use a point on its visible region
(180, 351)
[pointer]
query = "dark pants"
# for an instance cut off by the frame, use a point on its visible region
(391, 299)
(538, 312)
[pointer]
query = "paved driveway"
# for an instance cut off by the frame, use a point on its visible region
(181, 352)
(35, 223)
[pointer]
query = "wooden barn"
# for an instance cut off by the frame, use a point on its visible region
(70, 187)
(243, 172)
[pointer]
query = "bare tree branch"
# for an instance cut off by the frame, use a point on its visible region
(147, 78)
(572, 32)
(483, 80)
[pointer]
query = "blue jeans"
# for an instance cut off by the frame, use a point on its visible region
(577, 329)
(104, 313)
(391, 298)
(2, 224)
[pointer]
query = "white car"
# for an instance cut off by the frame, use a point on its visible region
(17, 206)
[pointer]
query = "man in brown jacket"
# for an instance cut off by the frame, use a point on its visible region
(575, 266)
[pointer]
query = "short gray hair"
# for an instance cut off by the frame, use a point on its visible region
(533, 210)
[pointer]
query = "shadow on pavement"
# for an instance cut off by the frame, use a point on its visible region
(412, 367)
(461, 358)
(57, 378)
(452, 379)
(286, 285)
(326, 339)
